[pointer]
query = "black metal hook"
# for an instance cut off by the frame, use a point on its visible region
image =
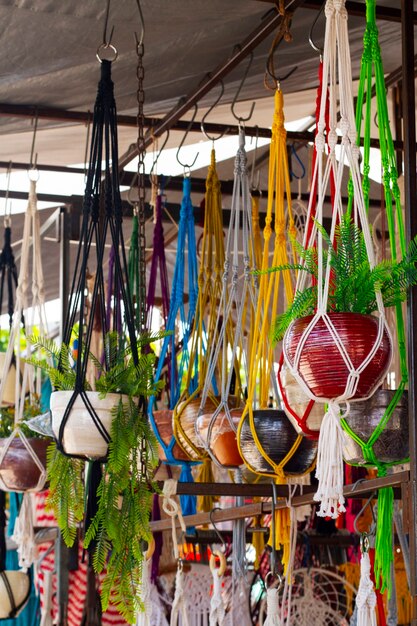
(232, 108)
(159, 154)
(215, 103)
(106, 43)
(216, 530)
(283, 33)
(311, 41)
(139, 41)
(187, 165)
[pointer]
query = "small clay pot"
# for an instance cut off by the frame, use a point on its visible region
(18, 470)
(392, 445)
(276, 435)
(322, 367)
(184, 427)
(223, 443)
(163, 422)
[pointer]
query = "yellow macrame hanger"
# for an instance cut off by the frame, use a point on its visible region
(279, 228)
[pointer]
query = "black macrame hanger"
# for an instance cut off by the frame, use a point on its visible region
(102, 219)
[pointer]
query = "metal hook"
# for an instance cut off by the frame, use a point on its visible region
(158, 155)
(215, 103)
(303, 169)
(315, 47)
(367, 503)
(222, 541)
(106, 45)
(187, 166)
(232, 108)
(139, 41)
(283, 33)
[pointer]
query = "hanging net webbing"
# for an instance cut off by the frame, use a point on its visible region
(227, 357)
(204, 330)
(267, 440)
(380, 440)
(343, 356)
(29, 293)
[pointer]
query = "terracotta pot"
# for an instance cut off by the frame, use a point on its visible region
(304, 414)
(321, 365)
(276, 435)
(187, 414)
(81, 436)
(19, 585)
(392, 445)
(18, 470)
(223, 443)
(163, 421)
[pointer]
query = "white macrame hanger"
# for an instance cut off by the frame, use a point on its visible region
(336, 64)
(238, 294)
(366, 596)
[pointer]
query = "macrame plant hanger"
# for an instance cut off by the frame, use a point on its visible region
(204, 331)
(372, 69)
(296, 348)
(102, 218)
(175, 353)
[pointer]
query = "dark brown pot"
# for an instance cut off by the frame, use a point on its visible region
(18, 470)
(392, 445)
(163, 421)
(321, 365)
(276, 435)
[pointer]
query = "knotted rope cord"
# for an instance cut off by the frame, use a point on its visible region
(158, 261)
(24, 534)
(31, 242)
(133, 268)
(179, 358)
(366, 597)
(262, 353)
(236, 309)
(8, 272)
(217, 615)
(204, 331)
(272, 608)
(102, 215)
(289, 562)
(336, 54)
(371, 65)
(171, 508)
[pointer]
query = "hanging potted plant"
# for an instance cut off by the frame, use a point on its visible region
(22, 451)
(124, 495)
(351, 304)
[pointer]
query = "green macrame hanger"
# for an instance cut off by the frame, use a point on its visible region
(372, 68)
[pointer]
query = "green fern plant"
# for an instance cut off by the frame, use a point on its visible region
(353, 283)
(124, 495)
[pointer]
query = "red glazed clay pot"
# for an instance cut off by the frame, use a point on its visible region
(321, 365)
(223, 442)
(163, 421)
(18, 470)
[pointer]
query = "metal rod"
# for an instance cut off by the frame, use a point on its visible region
(266, 27)
(409, 132)
(252, 510)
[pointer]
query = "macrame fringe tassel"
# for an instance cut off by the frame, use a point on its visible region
(205, 475)
(366, 597)
(282, 536)
(329, 470)
(24, 534)
(272, 608)
(179, 607)
(217, 614)
(383, 542)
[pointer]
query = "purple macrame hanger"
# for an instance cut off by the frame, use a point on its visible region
(158, 261)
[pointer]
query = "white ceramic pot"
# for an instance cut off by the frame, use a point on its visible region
(10, 387)
(81, 436)
(298, 400)
(19, 584)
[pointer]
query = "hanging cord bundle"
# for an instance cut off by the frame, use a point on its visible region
(227, 356)
(355, 374)
(204, 331)
(175, 352)
(158, 261)
(371, 66)
(365, 597)
(255, 443)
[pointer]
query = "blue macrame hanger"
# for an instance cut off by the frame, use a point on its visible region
(186, 247)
